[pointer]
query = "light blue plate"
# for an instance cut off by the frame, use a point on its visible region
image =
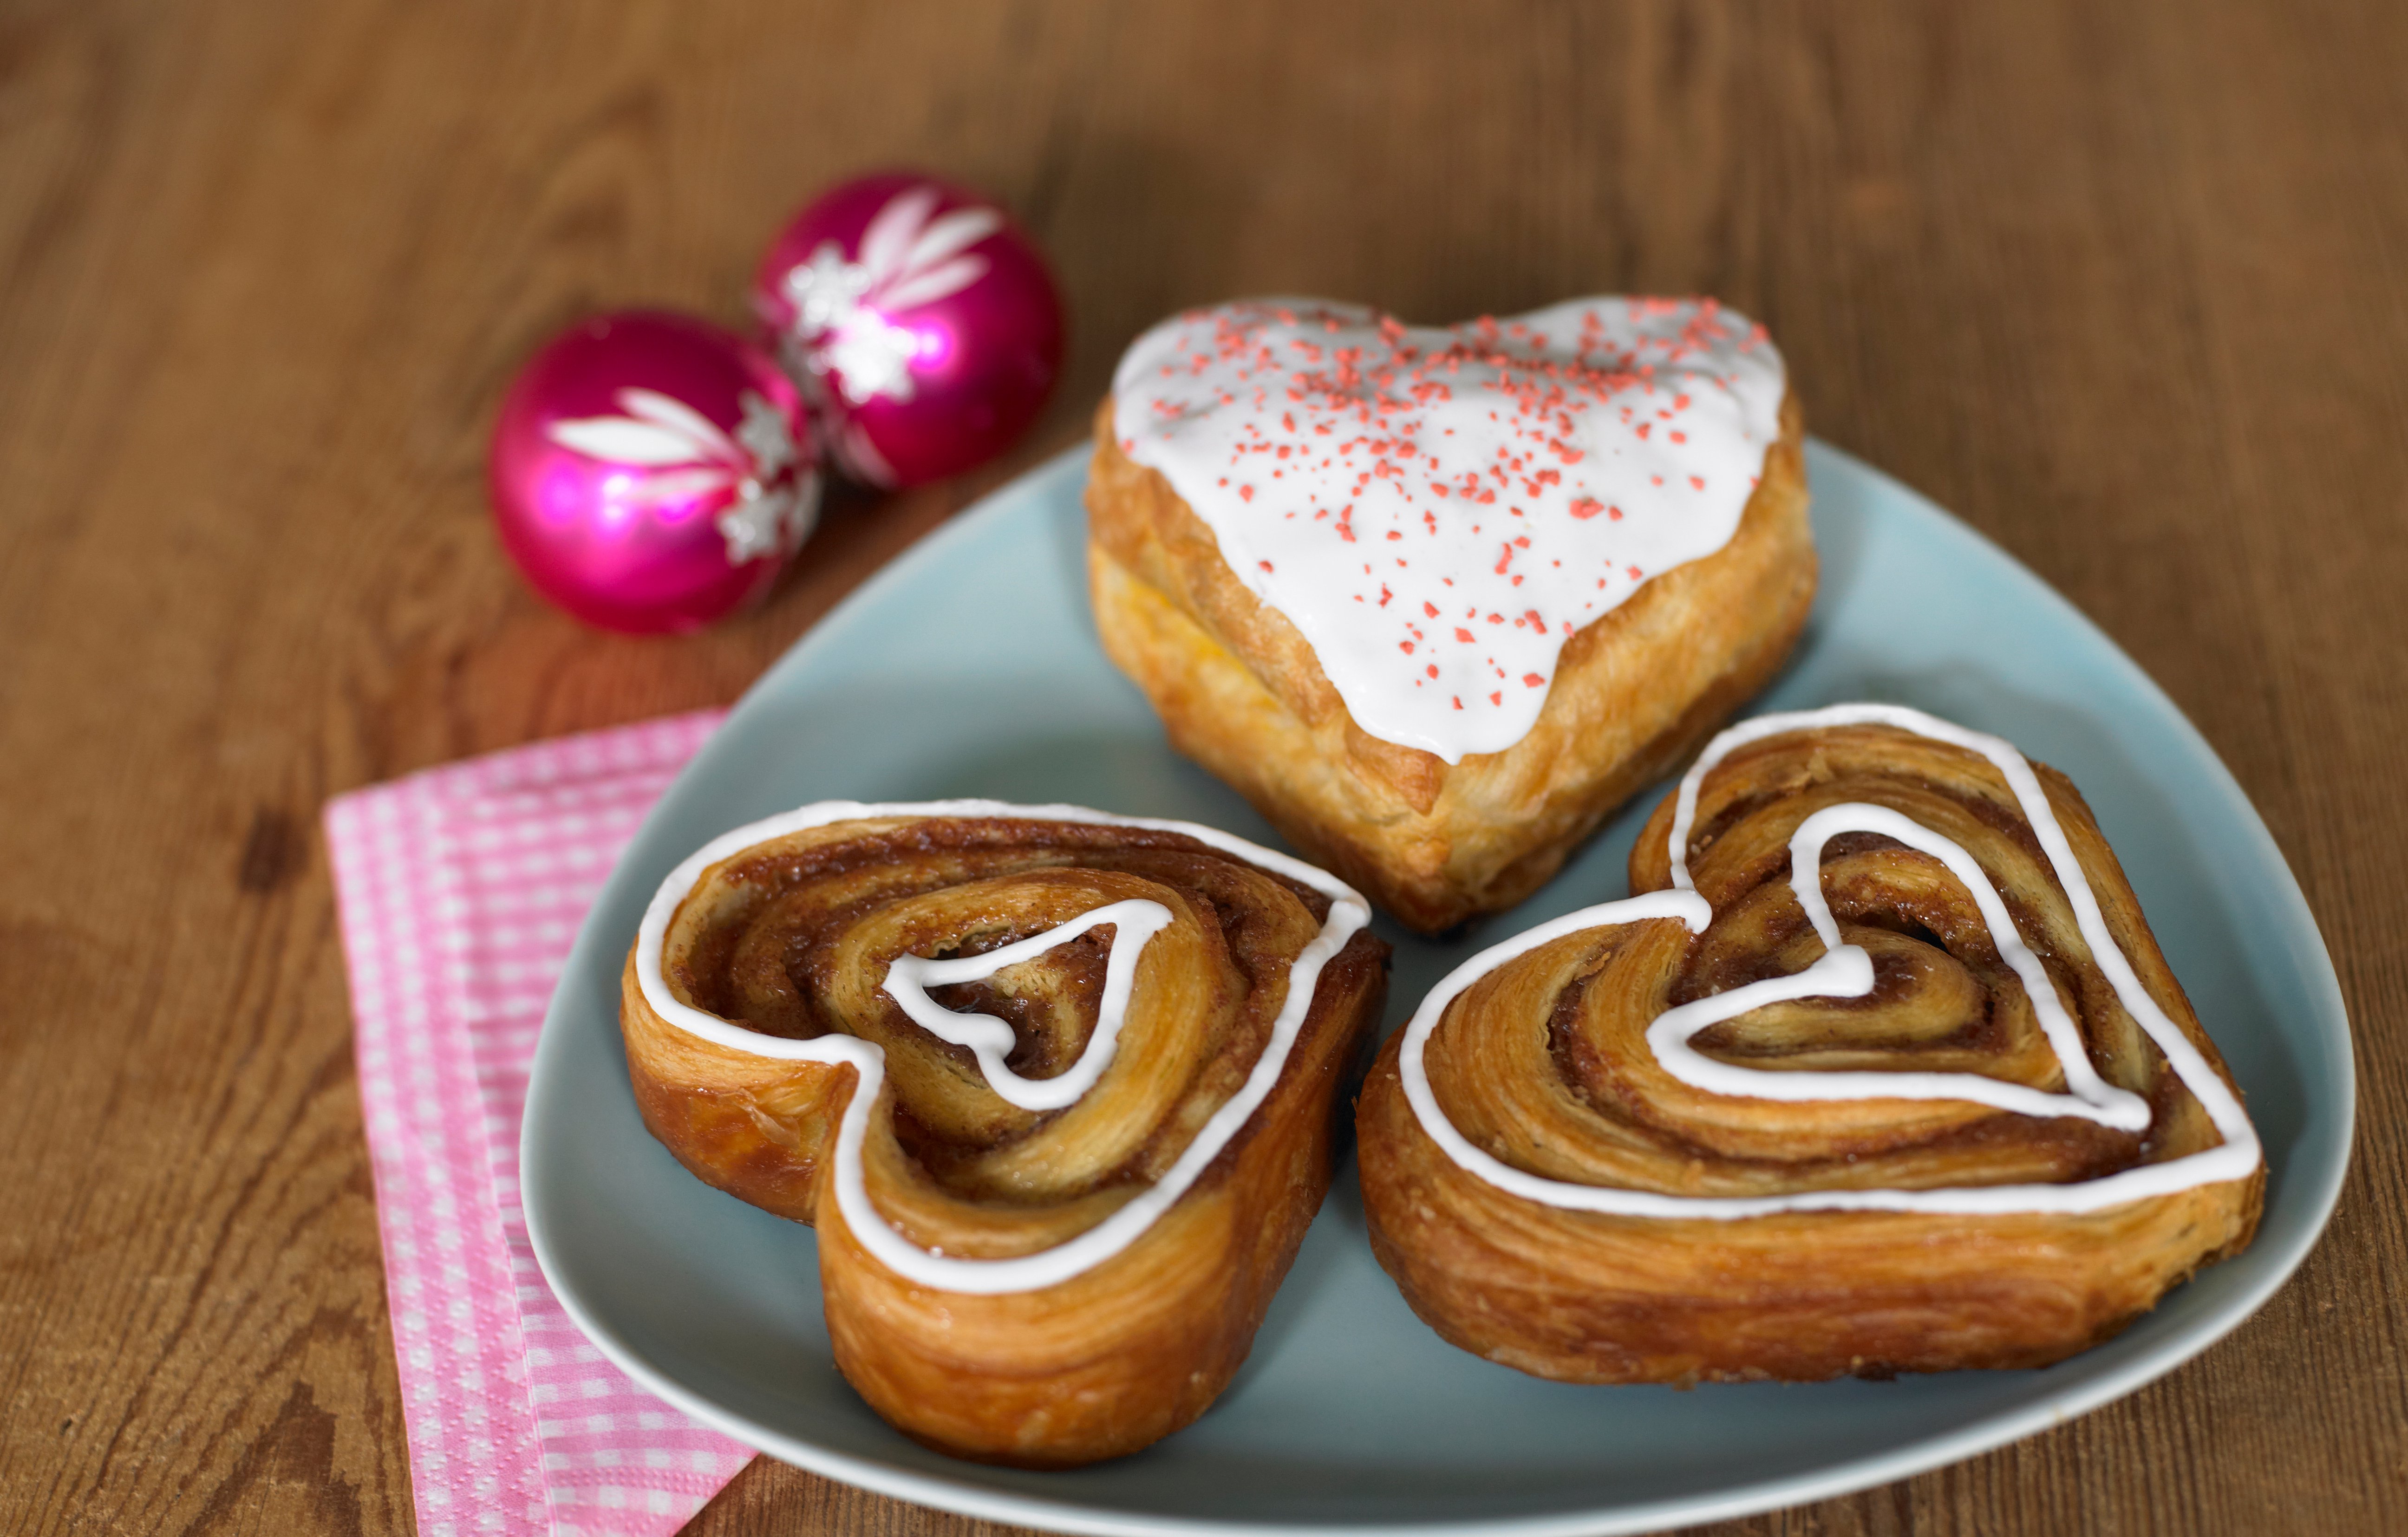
(968, 668)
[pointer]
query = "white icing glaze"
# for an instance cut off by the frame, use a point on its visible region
(1438, 510)
(1846, 971)
(1348, 913)
(990, 1039)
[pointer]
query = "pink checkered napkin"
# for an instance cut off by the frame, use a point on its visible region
(460, 889)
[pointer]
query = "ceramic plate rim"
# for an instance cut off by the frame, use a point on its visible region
(2322, 1179)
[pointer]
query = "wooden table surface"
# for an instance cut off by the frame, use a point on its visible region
(2122, 285)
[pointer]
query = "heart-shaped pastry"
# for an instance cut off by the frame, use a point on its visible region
(1921, 1095)
(1439, 512)
(1437, 600)
(1055, 1088)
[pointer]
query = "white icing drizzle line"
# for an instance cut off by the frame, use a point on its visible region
(1348, 913)
(1846, 971)
(910, 977)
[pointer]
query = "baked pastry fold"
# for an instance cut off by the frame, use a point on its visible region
(1434, 838)
(1103, 1059)
(1935, 1102)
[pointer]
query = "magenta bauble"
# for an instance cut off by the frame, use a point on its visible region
(921, 322)
(652, 472)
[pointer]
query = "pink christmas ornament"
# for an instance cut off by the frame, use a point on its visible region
(652, 472)
(923, 324)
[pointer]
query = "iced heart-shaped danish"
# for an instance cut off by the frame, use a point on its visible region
(1879, 1071)
(1436, 599)
(1056, 1088)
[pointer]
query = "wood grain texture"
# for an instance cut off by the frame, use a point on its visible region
(2125, 286)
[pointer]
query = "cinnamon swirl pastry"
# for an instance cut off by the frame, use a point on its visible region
(1881, 1071)
(1436, 601)
(1055, 1087)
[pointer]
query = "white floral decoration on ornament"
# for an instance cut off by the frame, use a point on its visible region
(693, 456)
(842, 320)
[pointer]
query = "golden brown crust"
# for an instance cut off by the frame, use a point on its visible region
(1545, 1063)
(791, 937)
(1240, 690)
